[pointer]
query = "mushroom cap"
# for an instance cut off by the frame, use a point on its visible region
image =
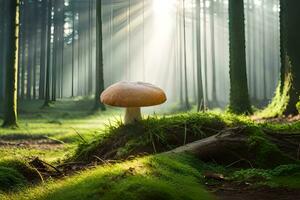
(133, 94)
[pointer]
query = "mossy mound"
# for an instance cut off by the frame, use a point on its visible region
(152, 177)
(153, 135)
(15, 174)
(281, 176)
(264, 153)
(11, 179)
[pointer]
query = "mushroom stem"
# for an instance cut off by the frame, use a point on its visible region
(132, 115)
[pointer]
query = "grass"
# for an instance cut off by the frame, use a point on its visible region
(67, 122)
(157, 134)
(282, 176)
(71, 123)
(153, 177)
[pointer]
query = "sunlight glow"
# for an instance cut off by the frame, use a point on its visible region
(163, 6)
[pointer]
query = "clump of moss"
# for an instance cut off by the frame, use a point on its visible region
(10, 179)
(279, 103)
(159, 177)
(281, 176)
(266, 154)
(23, 168)
(153, 135)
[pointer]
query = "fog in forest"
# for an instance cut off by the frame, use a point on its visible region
(153, 41)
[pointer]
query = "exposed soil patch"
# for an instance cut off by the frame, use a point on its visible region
(35, 142)
(231, 191)
(284, 119)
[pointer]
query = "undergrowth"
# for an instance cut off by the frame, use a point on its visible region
(156, 134)
(154, 177)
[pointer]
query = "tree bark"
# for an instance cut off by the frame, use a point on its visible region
(48, 64)
(290, 60)
(10, 114)
(239, 97)
(99, 57)
(200, 103)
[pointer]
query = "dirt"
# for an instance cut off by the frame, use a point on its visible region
(42, 143)
(231, 191)
(284, 119)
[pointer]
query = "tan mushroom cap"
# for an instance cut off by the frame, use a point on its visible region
(133, 94)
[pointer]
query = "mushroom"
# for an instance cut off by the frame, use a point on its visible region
(133, 96)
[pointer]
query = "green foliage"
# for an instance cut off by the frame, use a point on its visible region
(239, 96)
(279, 103)
(281, 176)
(154, 177)
(156, 134)
(10, 179)
(22, 167)
(266, 154)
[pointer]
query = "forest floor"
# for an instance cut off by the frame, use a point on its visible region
(53, 135)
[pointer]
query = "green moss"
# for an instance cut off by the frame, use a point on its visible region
(265, 153)
(22, 168)
(10, 179)
(282, 176)
(156, 134)
(279, 103)
(154, 177)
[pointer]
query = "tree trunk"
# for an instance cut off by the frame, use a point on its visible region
(290, 60)
(205, 85)
(10, 114)
(239, 97)
(43, 50)
(200, 105)
(48, 65)
(2, 46)
(186, 96)
(99, 57)
(288, 92)
(213, 54)
(73, 49)
(237, 147)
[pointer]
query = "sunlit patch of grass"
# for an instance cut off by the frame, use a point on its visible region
(154, 177)
(67, 122)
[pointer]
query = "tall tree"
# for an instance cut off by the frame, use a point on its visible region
(43, 50)
(213, 54)
(239, 97)
(200, 103)
(99, 57)
(288, 92)
(48, 64)
(186, 96)
(2, 44)
(205, 82)
(10, 113)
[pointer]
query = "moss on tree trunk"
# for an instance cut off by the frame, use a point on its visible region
(239, 97)
(288, 92)
(10, 113)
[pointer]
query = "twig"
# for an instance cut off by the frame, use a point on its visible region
(298, 153)
(185, 132)
(79, 135)
(57, 170)
(153, 144)
(237, 155)
(101, 160)
(238, 162)
(40, 175)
